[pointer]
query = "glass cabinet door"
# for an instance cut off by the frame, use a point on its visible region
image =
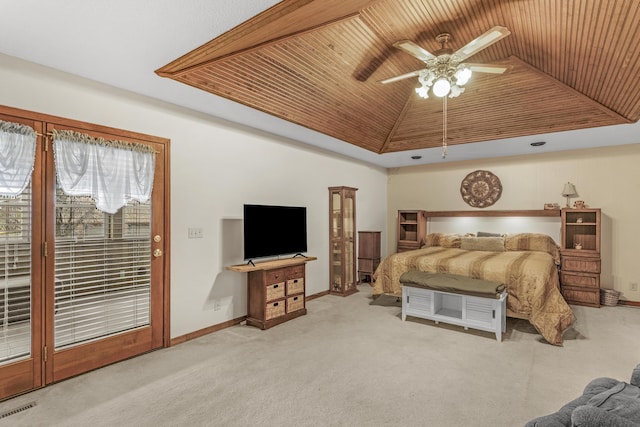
(336, 241)
(349, 220)
(336, 267)
(336, 215)
(342, 211)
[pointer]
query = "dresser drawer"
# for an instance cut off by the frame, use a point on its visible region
(275, 291)
(295, 303)
(275, 309)
(579, 296)
(586, 265)
(295, 286)
(568, 278)
(276, 276)
(365, 264)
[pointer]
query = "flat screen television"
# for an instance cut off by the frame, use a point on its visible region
(274, 230)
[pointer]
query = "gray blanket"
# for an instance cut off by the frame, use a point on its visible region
(605, 402)
(618, 406)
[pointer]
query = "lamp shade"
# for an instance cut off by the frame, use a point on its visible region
(569, 190)
(462, 76)
(441, 87)
(423, 91)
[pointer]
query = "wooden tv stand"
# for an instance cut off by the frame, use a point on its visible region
(275, 290)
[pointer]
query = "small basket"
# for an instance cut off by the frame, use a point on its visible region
(609, 297)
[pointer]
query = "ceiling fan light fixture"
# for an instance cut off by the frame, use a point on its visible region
(462, 76)
(423, 91)
(441, 87)
(456, 91)
(445, 74)
(426, 77)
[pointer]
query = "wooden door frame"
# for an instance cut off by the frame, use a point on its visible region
(162, 145)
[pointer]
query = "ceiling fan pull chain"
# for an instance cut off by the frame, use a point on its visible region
(444, 127)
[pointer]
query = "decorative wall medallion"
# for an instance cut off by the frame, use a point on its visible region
(480, 189)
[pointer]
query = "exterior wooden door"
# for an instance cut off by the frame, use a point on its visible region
(21, 280)
(79, 288)
(105, 289)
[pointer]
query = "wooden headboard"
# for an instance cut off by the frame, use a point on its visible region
(495, 221)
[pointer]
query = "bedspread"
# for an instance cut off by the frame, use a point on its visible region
(531, 278)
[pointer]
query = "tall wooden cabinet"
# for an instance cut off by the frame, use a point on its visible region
(412, 227)
(368, 254)
(580, 250)
(342, 240)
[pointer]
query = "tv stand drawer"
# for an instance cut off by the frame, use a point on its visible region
(275, 291)
(295, 272)
(295, 303)
(275, 309)
(276, 276)
(295, 286)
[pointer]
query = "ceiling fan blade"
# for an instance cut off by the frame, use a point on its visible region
(485, 40)
(401, 77)
(489, 68)
(414, 50)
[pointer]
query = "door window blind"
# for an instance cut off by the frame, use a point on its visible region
(15, 276)
(102, 269)
(17, 156)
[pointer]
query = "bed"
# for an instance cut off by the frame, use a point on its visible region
(527, 263)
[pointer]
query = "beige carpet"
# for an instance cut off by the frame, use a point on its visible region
(350, 362)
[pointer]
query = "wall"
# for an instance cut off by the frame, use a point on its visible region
(216, 167)
(605, 178)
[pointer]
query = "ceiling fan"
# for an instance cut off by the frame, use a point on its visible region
(445, 73)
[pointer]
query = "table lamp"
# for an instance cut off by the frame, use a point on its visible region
(569, 191)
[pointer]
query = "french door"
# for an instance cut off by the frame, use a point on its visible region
(97, 290)
(21, 280)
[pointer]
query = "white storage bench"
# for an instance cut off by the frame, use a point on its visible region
(457, 300)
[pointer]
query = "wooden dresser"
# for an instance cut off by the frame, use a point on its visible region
(368, 254)
(275, 291)
(580, 251)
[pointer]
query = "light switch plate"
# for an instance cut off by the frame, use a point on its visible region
(195, 232)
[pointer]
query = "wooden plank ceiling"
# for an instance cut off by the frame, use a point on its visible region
(318, 63)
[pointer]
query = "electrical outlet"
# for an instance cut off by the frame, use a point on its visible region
(634, 286)
(195, 232)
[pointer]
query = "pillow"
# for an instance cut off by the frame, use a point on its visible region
(533, 242)
(486, 234)
(492, 244)
(444, 240)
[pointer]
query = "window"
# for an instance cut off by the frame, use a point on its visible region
(102, 271)
(15, 276)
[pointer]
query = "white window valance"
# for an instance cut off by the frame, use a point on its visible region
(17, 157)
(110, 172)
